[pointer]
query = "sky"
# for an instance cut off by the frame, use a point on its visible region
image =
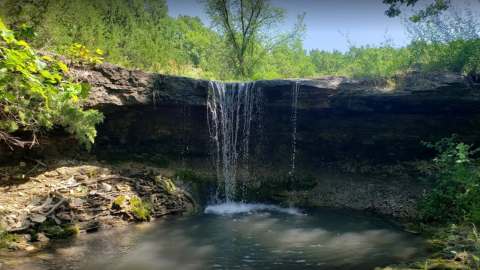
(362, 20)
(329, 22)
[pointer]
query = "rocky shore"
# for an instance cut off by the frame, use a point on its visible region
(44, 199)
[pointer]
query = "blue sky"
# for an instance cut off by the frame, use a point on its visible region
(363, 20)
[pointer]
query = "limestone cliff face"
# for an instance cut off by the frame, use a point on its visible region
(338, 118)
(163, 120)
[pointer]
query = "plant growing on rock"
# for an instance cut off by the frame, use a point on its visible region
(456, 192)
(51, 229)
(79, 54)
(120, 200)
(139, 209)
(35, 95)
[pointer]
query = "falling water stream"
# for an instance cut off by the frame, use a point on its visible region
(232, 108)
(295, 92)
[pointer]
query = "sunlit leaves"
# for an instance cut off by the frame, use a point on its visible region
(80, 54)
(249, 29)
(85, 90)
(3, 73)
(34, 92)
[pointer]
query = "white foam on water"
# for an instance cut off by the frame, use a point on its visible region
(236, 208)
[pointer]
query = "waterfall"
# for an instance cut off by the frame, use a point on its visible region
(295, 91)
(232, 108)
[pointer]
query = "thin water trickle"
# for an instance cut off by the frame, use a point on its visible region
(295, 92)
(185, 115)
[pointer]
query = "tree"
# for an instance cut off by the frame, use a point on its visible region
(430, 10)
(456, 23)
(250, 29)
(35, 95)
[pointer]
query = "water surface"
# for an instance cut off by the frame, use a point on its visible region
(237, 236)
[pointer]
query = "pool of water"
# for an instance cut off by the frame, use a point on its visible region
(237, 236)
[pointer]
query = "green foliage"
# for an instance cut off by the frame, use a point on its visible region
(169, 186)
(458, 55)
(430, 10)
(3, 238)
(450, 152)
(138, 34)
(249, 29)
(13, 238)
(80, 54)
(51, 229)
(34, 94)
(120, 200)
(456, 192)
(285, 61)
(457, 23)
(139, 209)
(475, 238)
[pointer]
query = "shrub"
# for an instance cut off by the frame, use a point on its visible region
(34, 94)
(456, 192)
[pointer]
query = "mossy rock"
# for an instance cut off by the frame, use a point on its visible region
(51, 229)
(120, 200)
(431, 264)
(139, 209)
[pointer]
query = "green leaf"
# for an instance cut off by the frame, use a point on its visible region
(9, 96)
(3, 73)
(47, 58)
(85, 90)
(23, 43)
(39, 63)
(7, 35)
(46, 74)
(62, 66)
(75, 98)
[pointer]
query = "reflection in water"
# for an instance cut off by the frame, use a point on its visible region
(254, 239)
